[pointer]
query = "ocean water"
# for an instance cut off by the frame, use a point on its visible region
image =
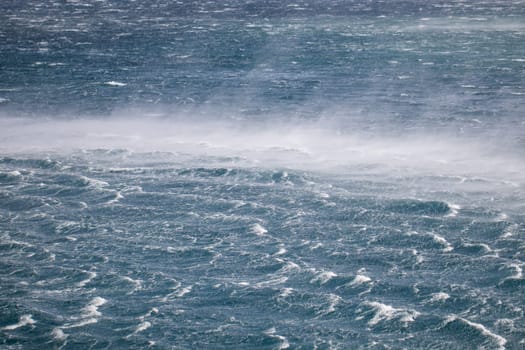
(262, 174)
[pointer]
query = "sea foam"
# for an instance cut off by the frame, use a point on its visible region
(384, 312)
(24, 320)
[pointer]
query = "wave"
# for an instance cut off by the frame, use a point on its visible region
(25, 320)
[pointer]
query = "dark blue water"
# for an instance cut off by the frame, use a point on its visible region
(262, 174)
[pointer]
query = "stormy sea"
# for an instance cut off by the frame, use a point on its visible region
(262, 174)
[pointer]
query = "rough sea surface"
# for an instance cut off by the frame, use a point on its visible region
(262, 174)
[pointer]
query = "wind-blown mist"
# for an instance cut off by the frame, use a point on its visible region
(262, 174)
(321, 145)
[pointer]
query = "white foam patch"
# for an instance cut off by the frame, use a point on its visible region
(143, 326)
(259, 230)
(360, 279)
(285, 292)
(25, 320)
(316, 246)
(510, 231)
(333, 301)
(454, 210)
(419, 257)
(89, 314)
(6, 239)
(115, 83)
(184, 291)
(118, 197)
(91, 309)
(284, 342)
(441, 240)
(281, 251)
(82, 323)
(518, 271)
(437, 297)
(137, 283)
(91, 276)
(58, 334)
(323, 277)
(290, 267)
(177, 293)
(447, 247)
(384, 312)
(498, 339)
(486, 247)
(271, 282)
(14, 173)
(65, 226)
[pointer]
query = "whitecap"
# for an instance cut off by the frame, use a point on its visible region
(58, 334)
(284, 342)
(88, 314)
(143, 326)
(272, 282)
(24, 320)
(510, 231)
(506, 323)
(118, 197)
(91, 309)
(290, 266)
(517, 268)
(500, 341)
(115, 83)
(316, 246)
(98, 184)
(258, 230)
(6, 239)
(333, 301)
(177, 293)
(454, 210)
(440, 296)
(447, 247)
(502, 217)
(137, 283)
(285, 292)
(66, 226)
(323, 277)
(91, 275)
(441, 240)
(360, 279)
(183, 291)
(419, 257)
(387, 312)
(281, 251)
(82, 323)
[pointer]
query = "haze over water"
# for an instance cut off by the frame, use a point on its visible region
(262, 174)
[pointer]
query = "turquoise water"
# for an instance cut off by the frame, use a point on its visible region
(332, 175)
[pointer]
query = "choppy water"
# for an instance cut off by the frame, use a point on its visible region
(262, 174)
